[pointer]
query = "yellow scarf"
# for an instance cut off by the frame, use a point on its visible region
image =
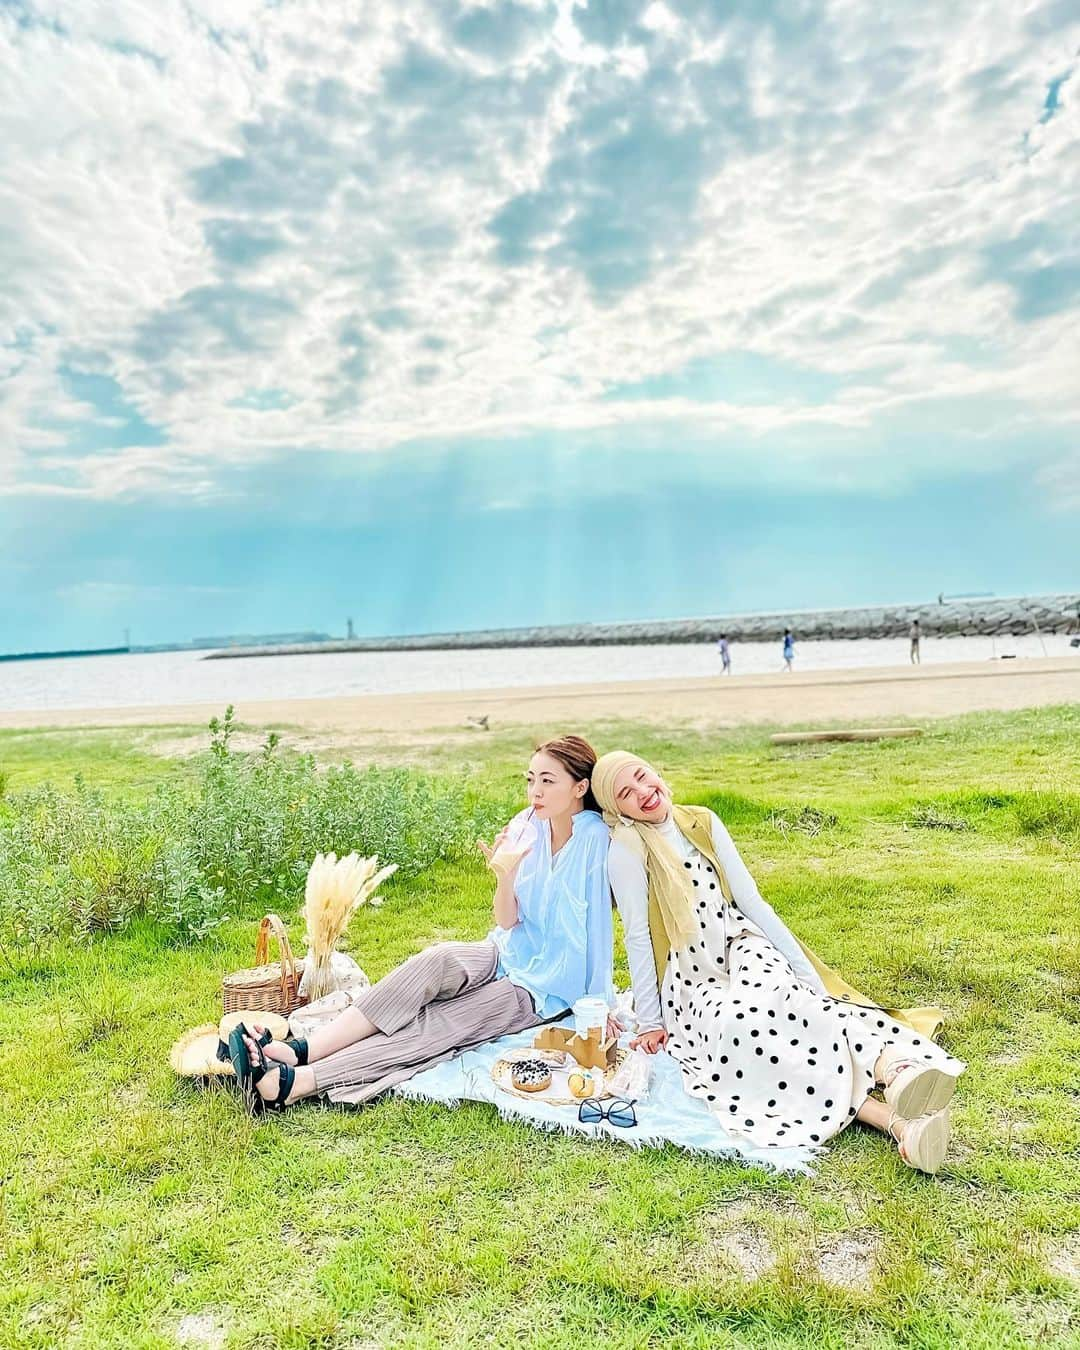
(671, 920)
(671, 914)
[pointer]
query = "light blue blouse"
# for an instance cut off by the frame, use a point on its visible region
(560, 948)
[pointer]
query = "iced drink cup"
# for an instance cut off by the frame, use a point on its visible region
(520, 837)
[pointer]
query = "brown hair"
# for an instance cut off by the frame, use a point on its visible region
(578, 758)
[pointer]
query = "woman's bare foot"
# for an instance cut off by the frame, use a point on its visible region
(276, 1050)
(269, 1085)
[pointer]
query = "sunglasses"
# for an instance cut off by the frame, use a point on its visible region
(619, 1112)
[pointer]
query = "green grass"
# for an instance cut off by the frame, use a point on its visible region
(114, 760)
(131, 1201)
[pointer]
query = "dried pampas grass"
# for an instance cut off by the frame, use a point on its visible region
(335, 889)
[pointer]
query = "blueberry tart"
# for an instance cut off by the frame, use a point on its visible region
(530, 1075)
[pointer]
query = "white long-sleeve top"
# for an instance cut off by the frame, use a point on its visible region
(630, 886)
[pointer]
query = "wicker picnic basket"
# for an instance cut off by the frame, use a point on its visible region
(269, 986)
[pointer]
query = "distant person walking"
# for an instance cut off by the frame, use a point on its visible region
(725, 653)
(789, 650)
(916, 659)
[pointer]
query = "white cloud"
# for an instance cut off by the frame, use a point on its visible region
(206, 200)
(1061, 480)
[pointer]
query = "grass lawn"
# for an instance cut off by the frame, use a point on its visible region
(113, 760)
(138, 1211)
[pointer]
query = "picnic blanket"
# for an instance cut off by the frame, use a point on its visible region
(668, 1115)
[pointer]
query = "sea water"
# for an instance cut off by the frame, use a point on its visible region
(162, 678)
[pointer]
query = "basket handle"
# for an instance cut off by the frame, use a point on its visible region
(262, 951)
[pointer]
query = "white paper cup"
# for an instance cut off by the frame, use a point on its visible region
(590, 1013)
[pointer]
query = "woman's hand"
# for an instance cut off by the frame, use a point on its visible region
(505, 868)
(650, 1041)
(614, 1028)
(511, 858)
(488, 850)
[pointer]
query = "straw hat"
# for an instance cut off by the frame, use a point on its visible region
(203, 1052)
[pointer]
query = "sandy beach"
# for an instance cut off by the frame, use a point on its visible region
(851, 697)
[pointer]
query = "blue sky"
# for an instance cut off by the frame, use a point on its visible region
(444, 316)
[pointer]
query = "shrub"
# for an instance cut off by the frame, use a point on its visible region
(238, 840)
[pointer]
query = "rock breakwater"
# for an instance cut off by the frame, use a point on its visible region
(982, 617)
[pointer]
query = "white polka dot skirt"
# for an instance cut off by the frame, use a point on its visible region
(779, 1063)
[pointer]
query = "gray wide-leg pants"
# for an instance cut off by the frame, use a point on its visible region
(434, 1005)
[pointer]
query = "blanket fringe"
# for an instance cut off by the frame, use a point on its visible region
(635, 1138)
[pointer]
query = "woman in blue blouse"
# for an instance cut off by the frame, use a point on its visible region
(550, 946)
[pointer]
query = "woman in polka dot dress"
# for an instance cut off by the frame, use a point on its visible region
(778, 1046)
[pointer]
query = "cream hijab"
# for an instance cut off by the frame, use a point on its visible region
(667, 877)
(672, 892)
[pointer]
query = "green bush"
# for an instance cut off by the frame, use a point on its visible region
(239, 840)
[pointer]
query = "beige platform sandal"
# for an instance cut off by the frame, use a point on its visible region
(913, 1089)
(922, 1142)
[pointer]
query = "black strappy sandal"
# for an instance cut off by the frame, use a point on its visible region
(249, 1075)
(255, 1102)
(285, 1086)
(224, 1052)
(299, 1047)
(241, 1058)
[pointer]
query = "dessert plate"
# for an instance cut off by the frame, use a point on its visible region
(562, 1065)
